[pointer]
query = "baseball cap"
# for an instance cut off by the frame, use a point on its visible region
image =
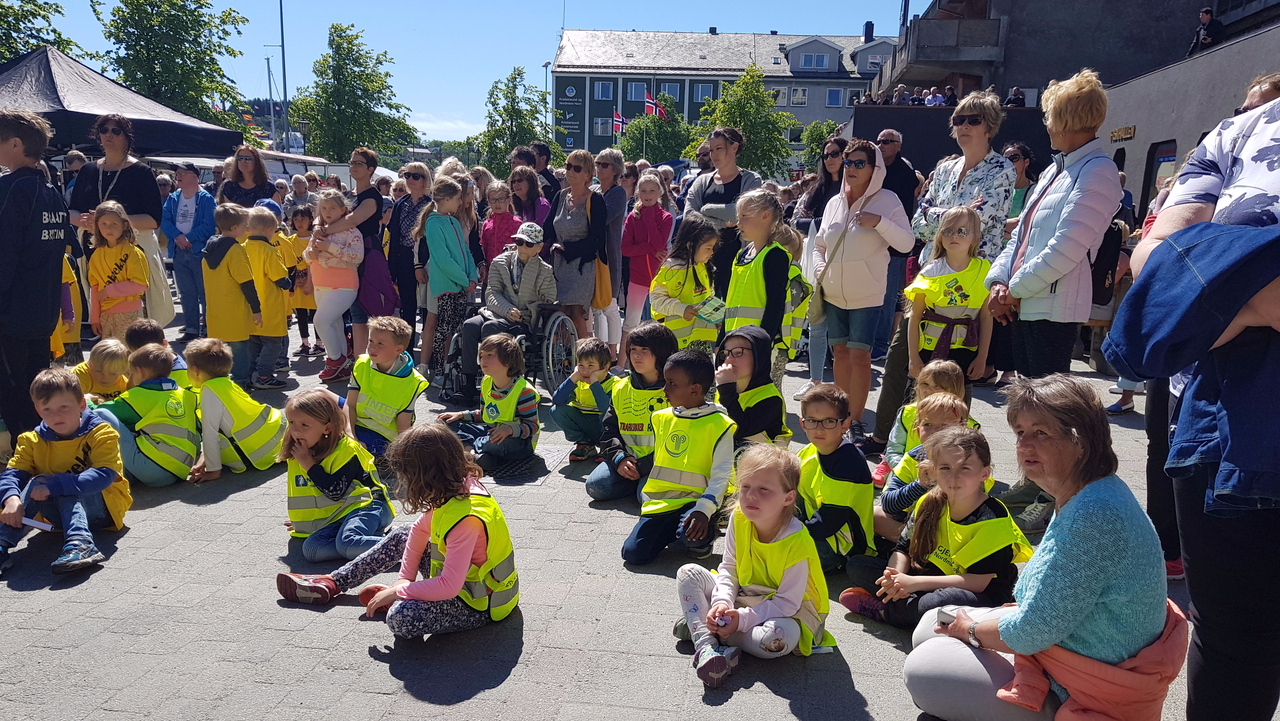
(271, 205)
(529, 233)
(189, 167)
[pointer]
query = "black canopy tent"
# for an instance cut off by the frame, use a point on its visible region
(71, 96)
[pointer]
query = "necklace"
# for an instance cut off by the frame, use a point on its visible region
(102, 197)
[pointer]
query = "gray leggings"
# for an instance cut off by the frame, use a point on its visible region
(771, 639)
(408, 619)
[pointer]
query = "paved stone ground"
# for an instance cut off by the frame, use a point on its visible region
(184, 621)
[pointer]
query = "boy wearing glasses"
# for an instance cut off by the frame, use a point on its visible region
(745, 390)
(836, 494)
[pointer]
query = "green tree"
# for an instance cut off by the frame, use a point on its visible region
(351, 103)
(746, 105)
(25, 25)
(169, 51)
(814, 138)
(516, 115)
(649, 136)
(442, 149)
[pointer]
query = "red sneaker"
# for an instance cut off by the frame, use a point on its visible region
(880, 474)
(302, 588)
(861, 602)
(335, 370)
(368, 592)
(1173, 569)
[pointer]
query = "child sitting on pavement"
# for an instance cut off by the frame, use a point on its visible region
(913, 476)
(67, 471)
(576, 405)
(745, 390)
(505, 428)
(384, 386)
(245, 432)
(146, 330)
(103, 377)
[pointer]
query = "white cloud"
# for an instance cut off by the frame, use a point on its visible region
(438, 128)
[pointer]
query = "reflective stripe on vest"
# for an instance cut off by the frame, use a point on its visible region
(503, 410)
(634, 410)
(752, 396)
(257, 430)
(819, 489)
(746, 299)
(494, 586)
(684, 288)
(960, 545)
(383, 396)
(955, 295)
(761, 567)
(166, 428)
(310, 510)
(683, 457)
(796, 315)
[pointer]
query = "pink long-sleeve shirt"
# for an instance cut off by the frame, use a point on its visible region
(495, 234)
(464, 546)
(644, 236)
(783, 604)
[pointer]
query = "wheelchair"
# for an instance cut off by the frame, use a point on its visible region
(547, 347)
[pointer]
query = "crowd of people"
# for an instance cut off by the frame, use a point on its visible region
(689, 300)
(946, 97)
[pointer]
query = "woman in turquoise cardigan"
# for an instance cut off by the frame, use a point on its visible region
(450, 271)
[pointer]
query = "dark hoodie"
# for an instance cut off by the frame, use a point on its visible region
(845, 464)
(214, 253)
(768, 415)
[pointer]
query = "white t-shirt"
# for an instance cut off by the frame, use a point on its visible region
(186, 215)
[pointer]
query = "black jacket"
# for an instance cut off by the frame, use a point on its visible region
(845, 464)
(587, 249)
(767, 415)
(35, 229)
(1215, 31)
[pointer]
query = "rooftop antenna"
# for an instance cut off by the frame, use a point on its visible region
(271, 103)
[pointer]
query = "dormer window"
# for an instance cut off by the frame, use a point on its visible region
(818, 61)
(777, 60)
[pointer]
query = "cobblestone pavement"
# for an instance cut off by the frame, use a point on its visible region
(184, 621)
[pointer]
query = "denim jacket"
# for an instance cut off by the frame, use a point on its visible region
(1193, 285)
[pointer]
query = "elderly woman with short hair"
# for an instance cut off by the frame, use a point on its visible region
(576, 230)
(300, 196)
(1091, 599)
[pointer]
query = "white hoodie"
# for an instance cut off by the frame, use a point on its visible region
(859, 276)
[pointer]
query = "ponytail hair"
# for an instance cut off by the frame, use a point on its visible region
(443, 189)
(924, 535)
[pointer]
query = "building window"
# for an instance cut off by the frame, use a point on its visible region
(799, 96)
(672, 89)
(779, 96)
(636, 91)
(853, 97)
(812, 60)
(604, 90)
(602, 127)
(701, 92)
(794, 134)
(777, 60)
(835, 97)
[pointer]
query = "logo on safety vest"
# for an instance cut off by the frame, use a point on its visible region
(676, 444)
(491, 411)
(174, 408)
(301, 481)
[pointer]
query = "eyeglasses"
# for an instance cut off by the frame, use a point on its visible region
(358, 162)
(828, 423)
(958, 120)
(889, 141)
(523, 243)
(734, 352)
(832, 155)
(574, 168)
(244, 159)
(858, 164)
(414, 176)
(1014, 158)
(957, 232)
(111, 130)
(703, 155)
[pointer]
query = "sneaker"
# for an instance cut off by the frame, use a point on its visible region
(6, 563)
(1035, 518)
(303, 350)
(334, 370)
(856, 431)
(861, 602)
(698, 553)
(1172, 570)
(1116, 409)
(870, 446)
(269, 384)
(1020, 495)
(681, 630)
(283, 365)
(582, 452)
(368, 592)
(303, 588)
(808, 386)
(317, 351)
(880, 474)
(712, 666)
(81, 555)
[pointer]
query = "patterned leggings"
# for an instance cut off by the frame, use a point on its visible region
(453, 306)
(408, 619)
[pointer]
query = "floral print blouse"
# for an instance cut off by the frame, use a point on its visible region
(991, 179)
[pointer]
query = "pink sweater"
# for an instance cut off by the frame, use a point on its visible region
(336, 267)
(644, 236)
(465, 546)
(496, 234)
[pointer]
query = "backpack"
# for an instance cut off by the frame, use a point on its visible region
(1103, 263)
(378, 294)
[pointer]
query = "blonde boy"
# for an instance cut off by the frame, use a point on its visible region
(245, 432)
(271, 280)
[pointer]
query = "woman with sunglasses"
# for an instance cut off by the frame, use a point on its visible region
(526, 195)
(401, 243)
(123, 178)
(248, 181)
(715, 195)
(576, 230)
(851, 261)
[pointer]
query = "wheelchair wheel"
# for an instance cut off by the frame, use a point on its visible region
(558, 338)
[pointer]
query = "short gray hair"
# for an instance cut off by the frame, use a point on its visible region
(297, 178)
(613, 157)
(164, 178)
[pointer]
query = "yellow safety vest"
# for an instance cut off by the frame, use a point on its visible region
(634, 410)
(760, 569)
(913, 433)
(962, 545)
(752, 396)
(799, 291)
(746, 299)
(585, 401)
(257, 430)
(494, 411)
(310, 510)
(493, 587)
(167, 427)
(818, 489)
(683, 284)
(384, 396)
(955, 295)
(682, 459)
(179, 376)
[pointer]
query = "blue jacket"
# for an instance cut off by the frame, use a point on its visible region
(1194, 284)
(202, 229)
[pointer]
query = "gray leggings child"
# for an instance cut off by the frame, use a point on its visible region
(408, 619)
(771, 639)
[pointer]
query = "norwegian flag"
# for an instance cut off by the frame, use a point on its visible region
(619, 123)
(651, 106)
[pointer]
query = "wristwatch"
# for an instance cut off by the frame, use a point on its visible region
(973, 635)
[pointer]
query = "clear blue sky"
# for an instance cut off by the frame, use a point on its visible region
(448, 54)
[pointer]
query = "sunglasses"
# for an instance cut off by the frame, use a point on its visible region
(734, 353)
(523, 243)
(887, 142)
(832, 155)
(1014, 158)
(958, 120)
(574, 168)
(111, 130)
(244, 159)
(958, 232)
(828, 423)
(858, 164)
(414, 176)
(358, 162)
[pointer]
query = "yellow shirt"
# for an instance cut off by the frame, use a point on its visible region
(88, 385)
(98, 448)
(228, 315)
(125, 262)
(62, 333)
(300, 298)
(267, 267)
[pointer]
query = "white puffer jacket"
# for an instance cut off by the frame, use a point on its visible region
(1081, 192)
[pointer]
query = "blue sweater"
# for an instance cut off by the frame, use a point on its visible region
(1096, 584)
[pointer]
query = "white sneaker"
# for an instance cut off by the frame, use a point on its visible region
(808, 386)
(1116, 390)
(1036, 516)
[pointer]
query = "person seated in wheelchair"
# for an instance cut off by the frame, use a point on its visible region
(518, 281)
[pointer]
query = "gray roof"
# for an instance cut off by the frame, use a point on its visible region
(645, 52)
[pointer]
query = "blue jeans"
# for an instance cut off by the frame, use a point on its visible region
(263, 352)
(818, 350)
(578, 427)
(75, 516)
(189, 276)
(897, 280)
(491, 455)
(373, 441)
(137, 465)
(240, 362)
(855, 327)
(653, 534)
(349, 536)
(604, 483)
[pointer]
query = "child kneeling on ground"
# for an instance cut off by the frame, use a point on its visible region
(384, 386)
(337, 502)
(244, 432)
(67, 472)
(104, 376)
(769, 597)
(505, 428)
(460, 521)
